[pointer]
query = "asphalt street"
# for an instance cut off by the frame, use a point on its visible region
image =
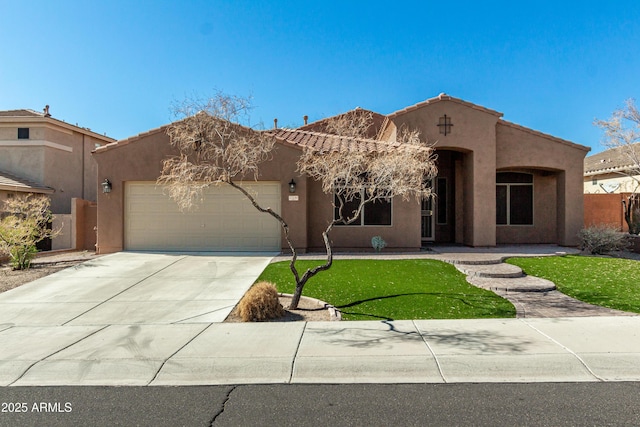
(539, 404)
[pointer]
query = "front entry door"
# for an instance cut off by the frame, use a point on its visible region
(427, 221)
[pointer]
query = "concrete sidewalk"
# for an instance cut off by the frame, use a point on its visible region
(146, 322)
(431, 351)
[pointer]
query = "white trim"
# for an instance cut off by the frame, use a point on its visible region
(35, 143)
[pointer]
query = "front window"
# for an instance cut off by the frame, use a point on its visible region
(23, 133)
(376, 212)
(514, 198)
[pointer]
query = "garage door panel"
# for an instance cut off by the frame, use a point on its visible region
(224, 221)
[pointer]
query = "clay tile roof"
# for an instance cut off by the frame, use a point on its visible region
(377, 123)
(20, 113)
(327, 142)
(9, 182)
(612, 160)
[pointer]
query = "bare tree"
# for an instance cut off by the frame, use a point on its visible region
(213, 148)
(357, 172)
(622, 134)
(24, 221)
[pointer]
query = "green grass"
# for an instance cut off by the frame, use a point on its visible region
(394, 289)
(608, 282)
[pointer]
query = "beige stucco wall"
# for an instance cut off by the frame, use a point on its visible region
(402, 234)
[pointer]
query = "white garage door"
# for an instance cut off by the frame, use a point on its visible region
(225, 221)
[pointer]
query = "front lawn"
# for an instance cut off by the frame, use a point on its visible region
(372, 289)
(608, 282)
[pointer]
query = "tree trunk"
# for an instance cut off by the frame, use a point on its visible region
(301, 281)
(632, 213)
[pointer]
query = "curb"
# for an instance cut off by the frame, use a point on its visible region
(334, 313)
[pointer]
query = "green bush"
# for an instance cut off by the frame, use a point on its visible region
(20, 256)
(24, 222)
(600, 239)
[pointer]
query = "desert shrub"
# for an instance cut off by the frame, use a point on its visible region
(260, 303)
(23, 223)
(20, 256)
(600, 239)
(378, 243)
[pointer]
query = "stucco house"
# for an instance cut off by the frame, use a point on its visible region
(498, 183)
(41, 154)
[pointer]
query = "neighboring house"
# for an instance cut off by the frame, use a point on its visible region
(40, 154)
(498, 183)
(608, 181)
(609, 172)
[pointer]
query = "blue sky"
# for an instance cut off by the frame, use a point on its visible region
(117, 66)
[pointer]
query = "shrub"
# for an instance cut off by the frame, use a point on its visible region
(600, 239)
(23, 223)
(20, 256)
(260, 303)
(378, 243)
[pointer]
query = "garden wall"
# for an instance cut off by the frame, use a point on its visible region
(605, 209)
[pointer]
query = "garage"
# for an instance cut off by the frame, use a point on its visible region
(225, 221)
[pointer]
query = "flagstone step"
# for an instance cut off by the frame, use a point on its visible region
(481, 259)
(520, 284)
(491, 270)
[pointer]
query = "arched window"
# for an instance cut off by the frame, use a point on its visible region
(514, 198)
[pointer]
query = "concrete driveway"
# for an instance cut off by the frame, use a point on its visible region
(135, 288)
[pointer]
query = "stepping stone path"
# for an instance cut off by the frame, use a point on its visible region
(532, 296)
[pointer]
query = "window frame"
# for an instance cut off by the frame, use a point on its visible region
(508, 199)
(361, 222)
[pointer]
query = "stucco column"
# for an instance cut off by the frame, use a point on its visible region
(480, 197)
(570, 206)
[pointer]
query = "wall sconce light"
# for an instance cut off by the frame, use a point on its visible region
(292, 186)
(106, 186)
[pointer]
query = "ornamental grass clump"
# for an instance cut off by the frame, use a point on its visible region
(260, 303)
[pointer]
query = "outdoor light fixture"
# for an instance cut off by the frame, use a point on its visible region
(106, 186)
(292, 186)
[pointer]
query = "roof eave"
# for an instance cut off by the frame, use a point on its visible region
(545, 135)
(440, 98)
